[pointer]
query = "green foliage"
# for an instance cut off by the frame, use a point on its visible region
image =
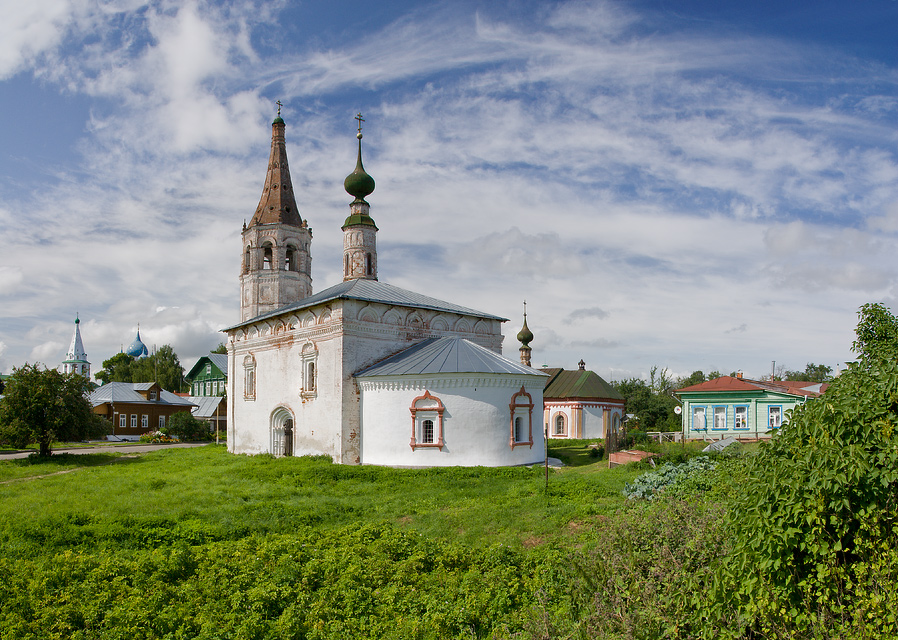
(650, 485)
(186, 428)
(876, 333)
(648, 569)
(651, 400)
(116, 369)
(812, 373)
(821, 507)
(163, 367)
(42, 406)
(224, 546)
(221, 348)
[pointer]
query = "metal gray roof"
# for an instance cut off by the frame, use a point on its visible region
(220, 360)
(205, 405)
(372, 291)
(126, 392)
(446, 355)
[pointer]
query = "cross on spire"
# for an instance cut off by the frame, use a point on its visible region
(278, 103)
(361, 120)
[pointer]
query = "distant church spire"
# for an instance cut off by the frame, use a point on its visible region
(359, 230)
(76, 359)
(276, 268)
(525, 336)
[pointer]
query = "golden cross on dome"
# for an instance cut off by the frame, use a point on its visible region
(361, 120)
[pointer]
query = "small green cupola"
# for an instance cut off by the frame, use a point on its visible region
(359, 230)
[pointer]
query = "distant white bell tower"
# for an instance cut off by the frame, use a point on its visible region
(76, 359)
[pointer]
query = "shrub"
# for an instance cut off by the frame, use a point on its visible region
(185, 427)
(818, 520)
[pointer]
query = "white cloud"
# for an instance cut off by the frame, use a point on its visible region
(573, 160)
(29, 29)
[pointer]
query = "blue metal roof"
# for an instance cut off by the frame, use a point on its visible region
(447, 355)
(372, 291)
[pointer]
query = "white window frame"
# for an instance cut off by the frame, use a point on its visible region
(700, 411)
(123, 420)
(162, 422)
(740, 421)
(249, 378)
(720, 410)
(144, 421)
(133, 420)
(427, 408)
(779, 416)
(311, 375)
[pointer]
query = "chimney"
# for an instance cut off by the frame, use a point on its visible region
(582, 365)
(739, 374)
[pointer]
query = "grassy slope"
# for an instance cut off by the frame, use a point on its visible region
(197, 543)
(222, 496)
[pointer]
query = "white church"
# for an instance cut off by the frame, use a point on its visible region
(363, 371)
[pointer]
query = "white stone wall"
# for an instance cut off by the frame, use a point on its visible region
(476, 420)
(592, 418)
(348, 335)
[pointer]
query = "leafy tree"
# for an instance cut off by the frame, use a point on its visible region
(651, 401)
(815, 528)
(221, 348)
(812, 373)
(116, 369)
(714, 375)
(877, 333)
(44, 406)
(163, 367)
(185, 427)
(696, 377)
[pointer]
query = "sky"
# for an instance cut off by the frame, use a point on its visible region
(688, 185)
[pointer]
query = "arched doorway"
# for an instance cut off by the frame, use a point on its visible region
(282, 432)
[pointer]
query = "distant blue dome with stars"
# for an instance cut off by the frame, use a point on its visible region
(137, 349)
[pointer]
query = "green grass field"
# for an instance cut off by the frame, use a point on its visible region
(156, 546)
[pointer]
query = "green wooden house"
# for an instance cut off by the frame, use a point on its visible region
(209, 376)
(735, 406)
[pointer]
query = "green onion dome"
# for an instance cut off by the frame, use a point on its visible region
(358, 183)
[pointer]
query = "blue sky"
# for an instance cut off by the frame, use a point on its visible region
(693, 185)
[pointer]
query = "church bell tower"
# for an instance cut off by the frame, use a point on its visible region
(276, 268)
(359, 230)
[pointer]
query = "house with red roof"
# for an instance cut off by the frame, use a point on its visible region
(742, 408)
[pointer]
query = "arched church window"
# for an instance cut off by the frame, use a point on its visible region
(291, 259)
(267, 256)
(560, 426)
(247, 261)
(346, 264)
(309, 362)
(249, 380)
(427, 422)
(521, 419)
(369, 267)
